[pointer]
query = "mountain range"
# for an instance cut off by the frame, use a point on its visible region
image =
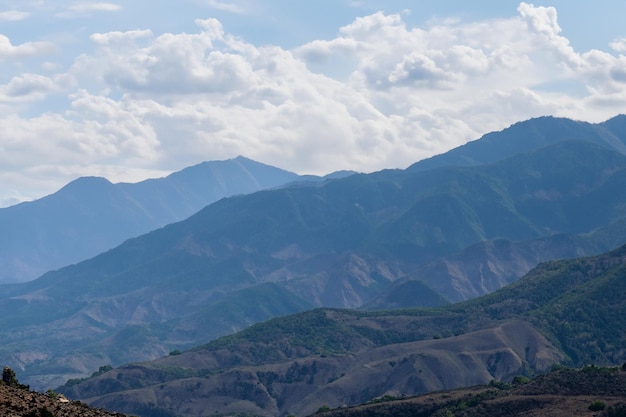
(562, 312)
(425, 236)
(91, 215)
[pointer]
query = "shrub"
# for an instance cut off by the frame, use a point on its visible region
(520, 380)
(8, 377)
(597, 406)
(499, 384)
(52, 394)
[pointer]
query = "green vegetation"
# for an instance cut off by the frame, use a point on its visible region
(578, 304)
(100, 371)
(51, 394)
(9, 378)
(520, 380)
(597, 406)
(285, 337)
(384, 399)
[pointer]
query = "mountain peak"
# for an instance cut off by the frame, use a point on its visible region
(86, 184)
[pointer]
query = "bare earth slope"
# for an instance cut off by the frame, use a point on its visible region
(301, 385)
(591, 391)
(18, 402)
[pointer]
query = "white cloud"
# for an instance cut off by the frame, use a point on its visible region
(619, 45)
(226, 6)
(9, 51)
(451, 66)
(86, 8)
(28, 86)
(120, 37)
(14, 15)
(170, 63)
(97, 6)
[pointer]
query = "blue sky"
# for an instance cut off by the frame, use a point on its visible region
(136, 89)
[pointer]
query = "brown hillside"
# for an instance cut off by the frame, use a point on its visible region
(19, 402)
(300, 386)
(563, 393)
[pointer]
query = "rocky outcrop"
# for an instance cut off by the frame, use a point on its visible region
(20, 402)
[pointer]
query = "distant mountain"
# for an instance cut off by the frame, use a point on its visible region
(528, 136)
(91, 215)
(563, 312)
(486, 266)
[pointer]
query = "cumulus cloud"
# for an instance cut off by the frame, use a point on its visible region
(466, 63)
(619, 45)
(174, 63)
(29, 85)
(9, 51)
(142, 102)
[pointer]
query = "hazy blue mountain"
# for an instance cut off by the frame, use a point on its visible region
(338, 243)
(562, 312)
(527, 136)
(91, 215)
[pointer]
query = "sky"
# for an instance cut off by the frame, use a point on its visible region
(130, 90)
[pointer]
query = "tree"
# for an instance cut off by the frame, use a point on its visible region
(8, 377)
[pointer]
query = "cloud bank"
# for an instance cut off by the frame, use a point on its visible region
(379, 95)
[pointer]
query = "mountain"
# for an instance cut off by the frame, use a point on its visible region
(528, 136)
(486, 266)
(340, 243)
(562, 312)
(91, 215)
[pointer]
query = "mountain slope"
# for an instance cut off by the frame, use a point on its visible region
(299, 363)
(91, 215)
(489, 265)
(561, 393)
(21, 402)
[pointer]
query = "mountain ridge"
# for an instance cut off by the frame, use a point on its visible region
(91, 214)
(540, 132)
